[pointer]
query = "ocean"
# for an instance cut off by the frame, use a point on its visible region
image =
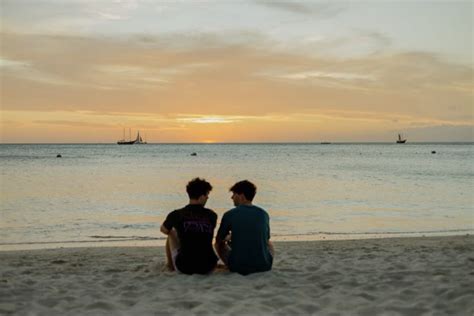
(107, 194)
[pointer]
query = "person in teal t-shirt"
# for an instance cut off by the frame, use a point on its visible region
(243, 239)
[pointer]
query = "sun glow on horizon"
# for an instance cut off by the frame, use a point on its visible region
(207, 120)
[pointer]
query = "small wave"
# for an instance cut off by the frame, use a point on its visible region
(97, 239)
(127, 237)
(24, 157)
(112, 238)
(427, 232)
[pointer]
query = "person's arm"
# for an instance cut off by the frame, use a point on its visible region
(168, 223)
(222, 249)
(221, 238)
(220, 245)
(270, 244)
(164, 230)
(271, 248)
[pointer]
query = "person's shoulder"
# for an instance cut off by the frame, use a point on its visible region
(260, 209)
(178, 211)
(208, 210)
(230, 212)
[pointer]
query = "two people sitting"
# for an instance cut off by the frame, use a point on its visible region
(242, 241)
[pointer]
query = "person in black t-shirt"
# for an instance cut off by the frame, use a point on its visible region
(190, 232)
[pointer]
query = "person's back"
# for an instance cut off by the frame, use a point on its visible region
(195, 227)
(243, 239)
(250, 229)
(190, 232)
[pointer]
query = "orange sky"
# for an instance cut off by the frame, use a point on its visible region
(234, 86)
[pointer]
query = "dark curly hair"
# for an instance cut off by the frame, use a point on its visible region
(197, 187)
(245, 187)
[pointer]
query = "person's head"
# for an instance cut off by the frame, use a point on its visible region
(198, 190)
(243, 192)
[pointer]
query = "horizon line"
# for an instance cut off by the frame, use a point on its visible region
(250, 143)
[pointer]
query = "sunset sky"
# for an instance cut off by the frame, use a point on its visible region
(236, 71)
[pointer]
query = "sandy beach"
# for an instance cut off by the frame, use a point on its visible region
(395, 276)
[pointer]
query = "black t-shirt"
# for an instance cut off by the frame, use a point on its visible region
(195, 226)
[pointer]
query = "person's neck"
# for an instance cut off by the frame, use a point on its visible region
(194, 202)
(246, 203)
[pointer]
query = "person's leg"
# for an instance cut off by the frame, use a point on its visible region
(172, 246)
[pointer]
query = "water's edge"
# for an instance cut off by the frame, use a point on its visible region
(146, 241)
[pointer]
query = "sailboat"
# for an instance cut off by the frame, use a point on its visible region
(137, 141)
(400, 140)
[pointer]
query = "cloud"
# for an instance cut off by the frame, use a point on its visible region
(6, 64)
(295, 7)
(355, 44)
(147, 81)
(69, 123)
(28, 71)
(55, 17)
(324, 10)
(325, 75)
(380, 40)
(441, 133)
(109, 16)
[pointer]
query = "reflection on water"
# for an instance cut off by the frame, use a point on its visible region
(110, 190)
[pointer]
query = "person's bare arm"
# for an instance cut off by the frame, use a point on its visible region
(164, 230)
(222, 249)
(219, 245)
(271, 248)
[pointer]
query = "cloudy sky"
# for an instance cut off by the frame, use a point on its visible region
(236, 71)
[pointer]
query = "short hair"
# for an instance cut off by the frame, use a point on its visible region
(245, 187)
(197, 187)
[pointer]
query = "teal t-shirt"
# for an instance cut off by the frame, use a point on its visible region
(250, 228)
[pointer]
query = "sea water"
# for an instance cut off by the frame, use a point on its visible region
(107, 194)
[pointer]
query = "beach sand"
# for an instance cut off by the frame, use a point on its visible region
(394, 276)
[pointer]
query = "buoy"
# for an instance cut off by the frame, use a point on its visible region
(58, 156)
(194, 154)
(433, 152)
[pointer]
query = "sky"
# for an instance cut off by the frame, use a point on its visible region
(83, 71)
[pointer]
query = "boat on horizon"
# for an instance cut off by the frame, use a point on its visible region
(137, 141)
(400, 140)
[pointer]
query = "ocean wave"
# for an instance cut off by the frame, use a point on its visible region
(95, 239)
(427, 232)
(343, 235)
